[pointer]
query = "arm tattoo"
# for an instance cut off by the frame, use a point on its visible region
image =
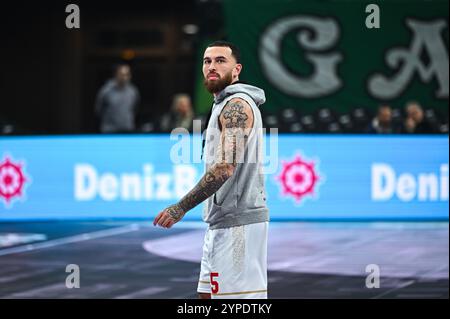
(235, 120)
(175, 212)
(235, 132)
(234, 115)
(210, 183)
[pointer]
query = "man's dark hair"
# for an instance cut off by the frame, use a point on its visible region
(234, 49)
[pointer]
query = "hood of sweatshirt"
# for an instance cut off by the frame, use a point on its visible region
(255, 93)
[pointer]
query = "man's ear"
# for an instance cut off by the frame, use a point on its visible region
(238, 69)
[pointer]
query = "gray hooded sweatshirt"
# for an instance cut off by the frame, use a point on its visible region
(242, 199)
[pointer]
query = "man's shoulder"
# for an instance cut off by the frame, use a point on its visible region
(236, 113)
(107, 87)
(237, 100)
(133, 88)
(237, 104)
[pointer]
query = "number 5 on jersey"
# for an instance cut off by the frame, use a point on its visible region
(214, 284)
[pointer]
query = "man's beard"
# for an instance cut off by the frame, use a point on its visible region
(219, 84)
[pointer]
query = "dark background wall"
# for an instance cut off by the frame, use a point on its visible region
(50, 74)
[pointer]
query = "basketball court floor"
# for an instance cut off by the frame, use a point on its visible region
(133, 259)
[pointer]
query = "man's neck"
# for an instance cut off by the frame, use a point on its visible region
(234, 82)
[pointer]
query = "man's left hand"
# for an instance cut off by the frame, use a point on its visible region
(169, 216)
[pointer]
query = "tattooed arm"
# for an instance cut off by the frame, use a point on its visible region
(236, 121)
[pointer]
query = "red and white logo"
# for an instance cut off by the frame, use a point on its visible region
(298, 178)
(12, 180)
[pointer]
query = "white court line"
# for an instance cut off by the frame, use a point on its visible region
(71, 239)
(403, 285)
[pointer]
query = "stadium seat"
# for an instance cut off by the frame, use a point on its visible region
(296, 128)
(430, 114)
(334, 127)
(324, 117)
(148, 127)
(308, 123)
(271, 121)
(361, 119)
(443, 128)
(397, 114)
(346, 123)
(288, 116)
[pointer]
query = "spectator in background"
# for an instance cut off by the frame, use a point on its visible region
(382, 123)
(180, 115)
(415, 122)
(117, 102)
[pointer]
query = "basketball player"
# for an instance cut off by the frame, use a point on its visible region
(234, 262)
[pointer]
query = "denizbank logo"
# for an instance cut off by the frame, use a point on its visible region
(142, 184)
(389, 183)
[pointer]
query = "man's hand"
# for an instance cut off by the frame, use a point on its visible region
(169, 216)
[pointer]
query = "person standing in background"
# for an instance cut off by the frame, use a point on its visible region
(117, 102)
(180, 115)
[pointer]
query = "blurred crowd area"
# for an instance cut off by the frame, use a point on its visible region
(135, 67)
(412, 119)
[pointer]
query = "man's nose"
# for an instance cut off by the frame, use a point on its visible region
(212, 67)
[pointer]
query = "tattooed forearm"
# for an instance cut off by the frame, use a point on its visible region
(210, 183)
(236, 119)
